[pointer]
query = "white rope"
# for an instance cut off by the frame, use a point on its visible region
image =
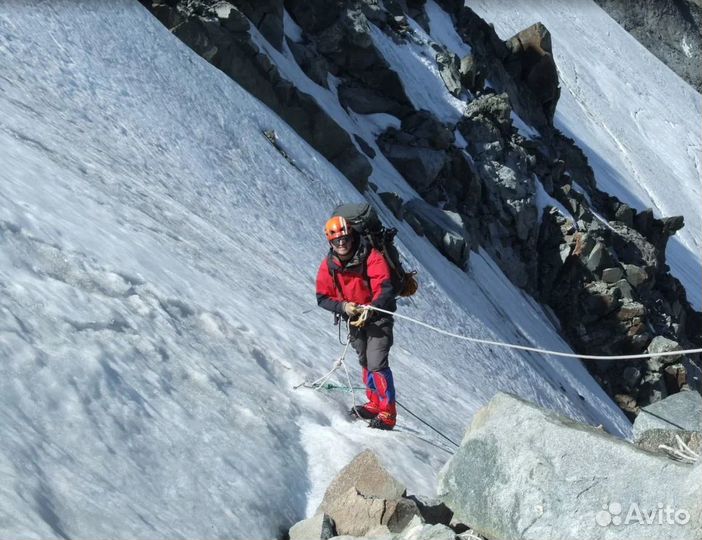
(534, 349)
(348, 381)
(683, 452)
(324, 378)
(339, 362)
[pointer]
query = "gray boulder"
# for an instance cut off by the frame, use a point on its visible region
(267, 15)
(318, 527)
(427, 130)
(450, 71)
(482, 114)
(415, 530)
(433, 511)
(368, 101)
(632, 247)
(526, 473)
(427, 532)
(445, 229)
(681, 411)
(419, 166)
(612, 275)
(470, 73)
(660, 344)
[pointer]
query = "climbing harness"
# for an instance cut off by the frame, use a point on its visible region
(533, 349)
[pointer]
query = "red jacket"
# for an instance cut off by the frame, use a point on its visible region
(364, 279)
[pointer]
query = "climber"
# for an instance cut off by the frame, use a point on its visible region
(354, 274)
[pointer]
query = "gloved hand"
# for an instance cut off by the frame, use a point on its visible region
(350, 308)
(360, 321)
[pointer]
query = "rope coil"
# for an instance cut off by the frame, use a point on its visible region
(534, 349)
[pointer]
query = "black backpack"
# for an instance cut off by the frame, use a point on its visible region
(365, 221)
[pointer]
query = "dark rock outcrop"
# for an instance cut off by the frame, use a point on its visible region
(503, 166)
(522, 66)
(602, 269)
(530, 62)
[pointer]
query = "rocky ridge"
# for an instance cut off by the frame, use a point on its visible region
(595, 261)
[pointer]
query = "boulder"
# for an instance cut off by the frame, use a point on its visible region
(526, 473)
(426, 129)
(443, 228)
(530, 61)
(267, 16)
(315, 66)
(625, 214)
(318, 527)
(632, 247)
(356, 514)
(427, 532)
(635, 275)
(681, 411)
(365, 100)
(364, 496)
(367, 476)
(612, 275)
(625, 290)
(450, 71)
(419, 166)
(483, 113)
(660, 344)
(600, 257)
(471, 76)
(433, 511)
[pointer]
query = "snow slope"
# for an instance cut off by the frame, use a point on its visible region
(157, 263)
(635, 119)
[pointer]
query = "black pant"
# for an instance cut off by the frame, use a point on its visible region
(372, 342)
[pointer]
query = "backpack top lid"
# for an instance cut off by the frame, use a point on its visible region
(362, 217)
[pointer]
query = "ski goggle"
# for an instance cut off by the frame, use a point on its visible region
(346, 239)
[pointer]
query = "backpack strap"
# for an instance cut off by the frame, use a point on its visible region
(335, 279)
(364, 273)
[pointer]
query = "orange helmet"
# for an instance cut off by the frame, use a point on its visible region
(336, 227)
